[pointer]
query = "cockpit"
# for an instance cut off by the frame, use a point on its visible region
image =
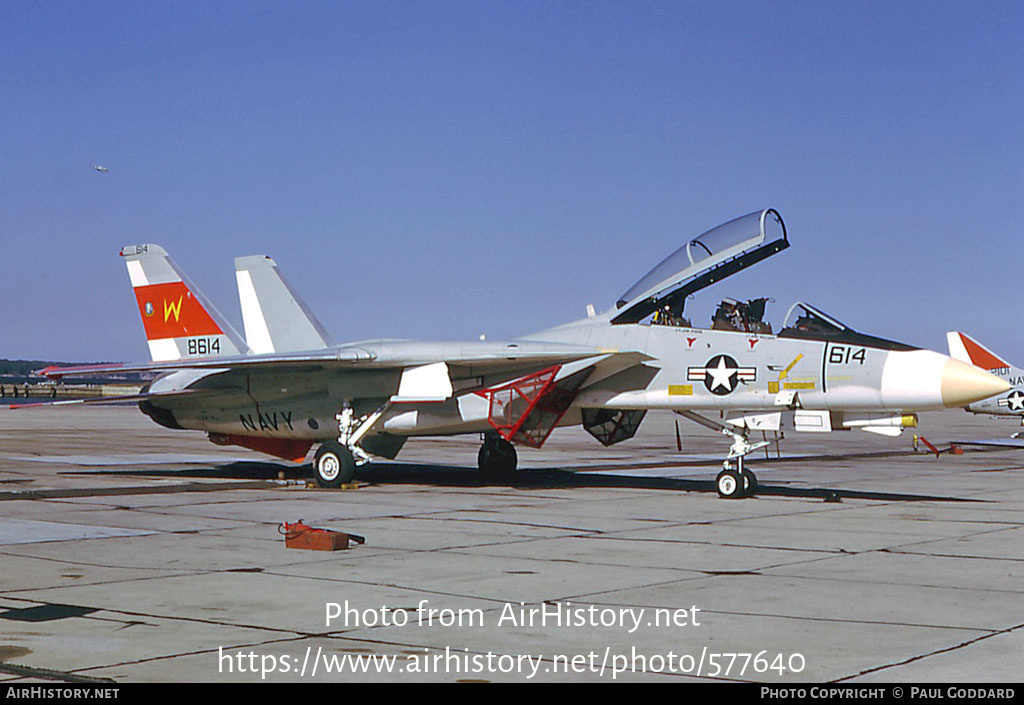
(743, 316)
(660, 295)
(807, 322)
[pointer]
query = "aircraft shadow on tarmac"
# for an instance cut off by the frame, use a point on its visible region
(523, 479)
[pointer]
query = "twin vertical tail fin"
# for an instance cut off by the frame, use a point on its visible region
(179, 321)
(275, 318)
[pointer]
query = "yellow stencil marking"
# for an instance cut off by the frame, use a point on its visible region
(798, 385)
(773, 387)
(782, 375)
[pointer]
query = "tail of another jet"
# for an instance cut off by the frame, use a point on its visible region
(275, 318)
(964, 348)
(179, 321)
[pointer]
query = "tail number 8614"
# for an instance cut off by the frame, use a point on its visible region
(203, 346)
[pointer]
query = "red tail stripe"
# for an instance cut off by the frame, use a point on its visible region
(170, 311)
(980, 356)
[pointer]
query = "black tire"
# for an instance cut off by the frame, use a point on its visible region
(497, 459)
(749, 484)
(729, 484)
(333, 465)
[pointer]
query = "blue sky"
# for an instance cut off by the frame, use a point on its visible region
(438, 170)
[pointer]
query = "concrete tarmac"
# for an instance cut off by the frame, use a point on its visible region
(129, 552)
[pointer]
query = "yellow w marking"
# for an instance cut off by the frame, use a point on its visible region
(174, 308)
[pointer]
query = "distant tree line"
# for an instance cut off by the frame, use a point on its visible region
(22, 370)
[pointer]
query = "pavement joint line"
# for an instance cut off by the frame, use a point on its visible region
(571, 529)
(956, 555)
(616, 533)
(775, 615)
(940, 539)
(135, 490)
(429, 591)
(178, 573)
(200, 652)
(602, 564)
(212, 622)
(397, 586)
(64, 561)
(49, 674)
(861, 580)
(684, 542)
(919, 657)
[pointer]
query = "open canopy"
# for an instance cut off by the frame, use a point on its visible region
(702, 261)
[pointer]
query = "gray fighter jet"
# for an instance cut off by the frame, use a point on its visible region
(287, 385)
(963, 347)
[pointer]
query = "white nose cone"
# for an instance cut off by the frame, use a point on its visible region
(963, 384)
(922, 379)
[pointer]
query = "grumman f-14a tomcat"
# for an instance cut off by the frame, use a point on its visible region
(287, 385)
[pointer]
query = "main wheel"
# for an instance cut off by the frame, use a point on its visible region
(729, 484)
(333, 465)
(497, 458)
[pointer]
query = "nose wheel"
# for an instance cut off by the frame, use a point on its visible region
(732, 482)
(736, 483)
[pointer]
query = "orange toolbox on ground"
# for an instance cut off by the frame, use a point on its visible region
(298, 535)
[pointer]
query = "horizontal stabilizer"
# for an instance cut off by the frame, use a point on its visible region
(118, 399)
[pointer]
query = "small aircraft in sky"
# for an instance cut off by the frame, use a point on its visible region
(963, 347)
(100, 168)
(287, 385)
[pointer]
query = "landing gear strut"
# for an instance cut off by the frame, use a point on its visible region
(732, 482)
(336, 460)
(497, 457)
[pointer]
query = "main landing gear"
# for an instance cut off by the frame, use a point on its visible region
(732, 482)
(497, 458)
(334, 465)
(336, 460)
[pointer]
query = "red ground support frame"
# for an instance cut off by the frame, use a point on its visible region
(526, 410)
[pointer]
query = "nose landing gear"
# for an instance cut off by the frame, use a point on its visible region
(734, 484)
(731, 483)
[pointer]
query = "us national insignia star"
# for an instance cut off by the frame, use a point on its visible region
(721, 374)
(1014, 401)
